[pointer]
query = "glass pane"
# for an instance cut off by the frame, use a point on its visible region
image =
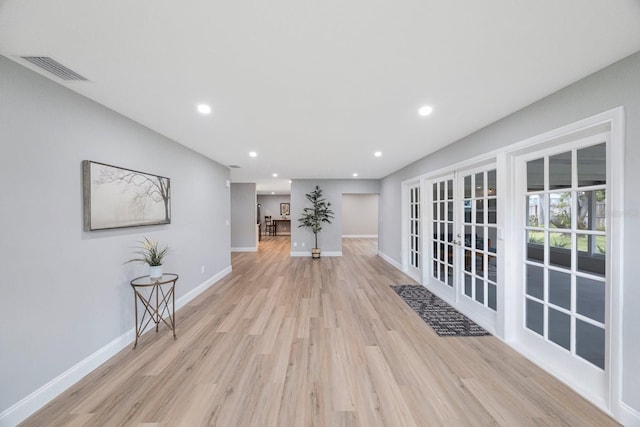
(491, 183)
(450, 189)
(449, 232)
(535, 245)
(441, 211)
(435, 230)
(450, 276)
(535, 211)
(590, 343)
(434, 255)
(560, 171)
(560, 210)
(480, 290)
(590, 298)
(441, 191)
(535, 281)
(467, 236)
(592, 210)
(492, 211)
(560, 289)
(467, 261)
(480, 265)
(535, 175)
(560, 328)
(449, 211)
(479, 211)
(492, 267)
(491, 296)
(467, 187)
(442, 275)
(442, 252)
(480, 184)
(591, 254)
(467, 211)
(534, 316)
(480, 238)
(435, 191)
(560, 249)
(492, 239)
(450, 254)
(592, 165)
(435, 211)
(467, 285)
(435, 268)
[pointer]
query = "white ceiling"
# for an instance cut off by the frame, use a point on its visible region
(315, 87)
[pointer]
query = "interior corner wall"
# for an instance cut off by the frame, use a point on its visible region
(65, 292)
(243, 217)
(614, 86)
(330, 238)
(360, 215)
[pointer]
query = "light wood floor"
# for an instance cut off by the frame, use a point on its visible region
(299, 342)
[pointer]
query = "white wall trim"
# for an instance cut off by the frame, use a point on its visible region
(24, 408)
(245, 249)
(390, 260)
(322, 254)
(359, 236)
(628, 416)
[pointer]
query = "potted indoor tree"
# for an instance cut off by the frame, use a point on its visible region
(313, 218)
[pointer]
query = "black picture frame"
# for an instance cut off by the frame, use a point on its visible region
(116, 197)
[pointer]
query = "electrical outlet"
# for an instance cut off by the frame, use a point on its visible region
(303, 244)
(202, 269)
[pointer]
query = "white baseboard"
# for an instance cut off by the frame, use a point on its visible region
(323, 253)
(390, 260)
(359, 236)
(247, 249)
(628, 415)
(24, 408)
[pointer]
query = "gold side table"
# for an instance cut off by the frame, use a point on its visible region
(157, 297)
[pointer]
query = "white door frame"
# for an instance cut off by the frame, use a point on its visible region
(613, 122)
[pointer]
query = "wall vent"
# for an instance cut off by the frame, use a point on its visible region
(54, 67)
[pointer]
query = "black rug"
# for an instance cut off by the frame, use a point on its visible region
(443, 318)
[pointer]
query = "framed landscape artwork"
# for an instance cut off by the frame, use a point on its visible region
(116, 197)
(284, 209)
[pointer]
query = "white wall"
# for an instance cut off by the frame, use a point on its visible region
(243, 217)
(617, 85)
(359, 215)
(330, 238)
(65, 292)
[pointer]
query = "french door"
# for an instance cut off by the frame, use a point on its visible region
(414, 251)
(463, 249)
(565, 297)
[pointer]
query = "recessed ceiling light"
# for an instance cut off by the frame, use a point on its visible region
(204, 109)
(273, 192)
(378, 153)
(355, 174)
(252, 154)
(289, 181)
(275, 175)
(425, 110)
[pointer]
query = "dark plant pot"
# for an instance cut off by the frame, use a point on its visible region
(315, 253)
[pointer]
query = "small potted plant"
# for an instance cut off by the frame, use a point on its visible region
(152, 255)
(312, 218)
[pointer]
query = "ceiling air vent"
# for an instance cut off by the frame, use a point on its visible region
(234, 166)
(54, 67)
